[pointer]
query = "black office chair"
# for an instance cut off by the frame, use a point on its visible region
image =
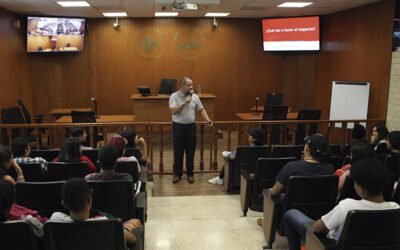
(272, 113)
(44, 197)
(128, 167)
(252, 186)
(60, 171)
(92, 154)
(87, 117)
(25, 112)
(84, 235)
(362, 229)
(18, 235)
(14, 116)
(393, 163)
(307, 114)
(246, 158)
(32, 172)
(273, 99)
(335, 161)
(167, 86)
(280, 151)
(314, 196)
(48, 155)
(114, 197)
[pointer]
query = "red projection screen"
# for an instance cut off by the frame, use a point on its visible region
(291, 34)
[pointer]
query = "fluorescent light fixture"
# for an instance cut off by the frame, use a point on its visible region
(166, 14)
(115, 14)
(294, 4)
(73, 3)
(216, 14)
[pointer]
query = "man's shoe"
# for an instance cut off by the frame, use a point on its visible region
(176, 179)
(260, 222)
(191, 179)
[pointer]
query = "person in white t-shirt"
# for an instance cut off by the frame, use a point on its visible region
(77, 198)
(370, 177)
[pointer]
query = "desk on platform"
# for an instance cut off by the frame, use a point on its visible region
(102, 118)
(259, 116)
(155, 108)
(67, 111)
(261, 109)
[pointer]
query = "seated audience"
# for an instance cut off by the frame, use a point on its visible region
(370, 177)
(358, 152)
(393, 143)
(358, 134)
(77, 198)
(119, 142)
(7, 161)
(21, 151)
(378, 139)
(71, 151)
(7, 200)
(256, 138)
(80, 132)
(133, 141)
(316, 149)
(108, 156)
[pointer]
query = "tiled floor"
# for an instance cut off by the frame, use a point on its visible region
(201, 222)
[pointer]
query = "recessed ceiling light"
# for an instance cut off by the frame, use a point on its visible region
(294, 4)
(74, 4)
(115, 14)
(216, 14)
(166, 14)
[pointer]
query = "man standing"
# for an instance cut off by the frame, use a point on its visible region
(183, 105)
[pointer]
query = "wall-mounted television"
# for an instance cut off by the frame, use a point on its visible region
(291, 34)
(55, 34)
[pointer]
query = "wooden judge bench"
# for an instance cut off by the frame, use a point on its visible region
(155, 108)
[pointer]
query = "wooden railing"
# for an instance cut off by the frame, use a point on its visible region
(224, 135)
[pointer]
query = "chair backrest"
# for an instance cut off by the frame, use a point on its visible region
(133, 152)
(12, 116)
(275, 112)
(335, 161)
(279, 151)
(312, 195)
(396, 193)
(48, 155)
(393, 163)
(44, 197)
(114, 197)
(306, 114)
(92, 154)
(99, 235)
(336, 149)
(246, 158)
(59, 171)
(32, 172)
(273, 99)
(83, 116)
(24, 110)
(18, 235)
(265, 175)
(371, 229)
(129, 167)
(348, 190)
(167, 86)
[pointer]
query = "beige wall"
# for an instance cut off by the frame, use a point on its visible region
(393, 114)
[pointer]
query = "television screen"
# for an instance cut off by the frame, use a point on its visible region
(291, 34)
(55, 34)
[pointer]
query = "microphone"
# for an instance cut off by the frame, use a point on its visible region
(95, 106)
(257, 99)
(191, 92)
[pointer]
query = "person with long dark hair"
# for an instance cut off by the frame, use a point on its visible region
(71, 151)
(378, 139)
(7, 161)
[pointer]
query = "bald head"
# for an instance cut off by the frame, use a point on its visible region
(186, 85)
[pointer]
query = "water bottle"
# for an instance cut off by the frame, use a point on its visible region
(199, 89)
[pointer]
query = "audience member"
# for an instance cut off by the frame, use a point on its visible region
(7, 161)
(358, 134)
(370, 177)
(316, 149)
(119, 142)
(71, 151)
(378, 139)
(133, 141)
(7, 199)
(76, 196)
(359, 152)
(256, 138)
(21, 151)
(80, 132)
(108, 156)
(393, 142)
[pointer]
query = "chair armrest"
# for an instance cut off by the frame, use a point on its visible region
(317, 241)
(246, 175)
(272, 207)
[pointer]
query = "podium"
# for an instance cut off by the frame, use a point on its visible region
(155, 108)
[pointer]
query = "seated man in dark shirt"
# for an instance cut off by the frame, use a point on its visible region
(316, 149)
(108, 156)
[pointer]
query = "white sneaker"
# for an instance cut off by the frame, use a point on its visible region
(216, 180)
(225, 153)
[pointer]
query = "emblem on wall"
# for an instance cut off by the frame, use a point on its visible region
(149, 43)
(189, 43)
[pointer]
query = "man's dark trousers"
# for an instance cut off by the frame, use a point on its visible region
(184, 140)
